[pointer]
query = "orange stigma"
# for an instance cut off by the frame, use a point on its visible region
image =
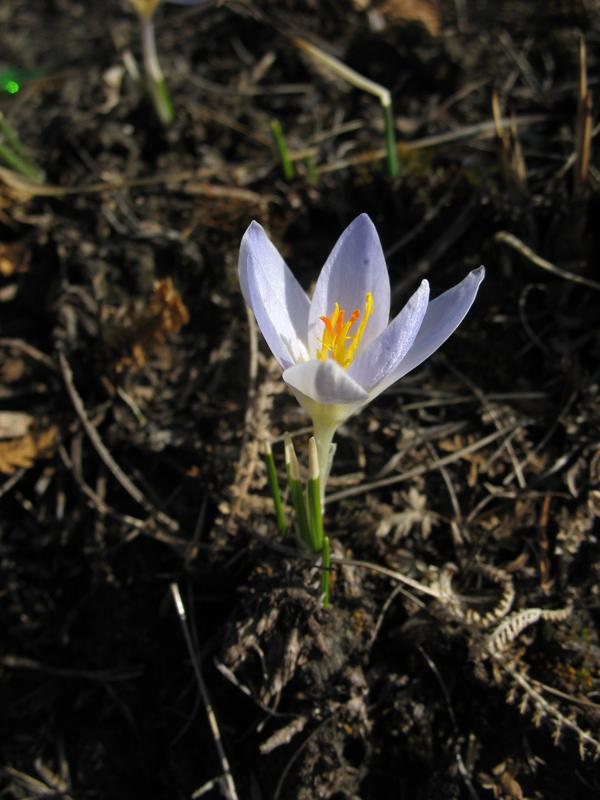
(337, 333)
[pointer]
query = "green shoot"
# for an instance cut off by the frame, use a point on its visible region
(12, 153)
(311, 170)
(280, 144)
(267, 455)
(297, 494)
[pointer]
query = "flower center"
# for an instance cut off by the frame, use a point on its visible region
(336, 336)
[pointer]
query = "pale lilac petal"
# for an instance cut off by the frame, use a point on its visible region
(279, 303)
(324, 382)
(443, 316)
(355, 266)
(383, 356)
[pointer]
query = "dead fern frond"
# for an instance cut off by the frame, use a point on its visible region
(505, 634)
(543, 710)
(457, 605)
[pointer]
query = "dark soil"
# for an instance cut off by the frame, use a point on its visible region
(137, 467)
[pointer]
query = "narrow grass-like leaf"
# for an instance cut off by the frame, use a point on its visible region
(13, 153)
(297, 495)
(281, 145)
(267, 455)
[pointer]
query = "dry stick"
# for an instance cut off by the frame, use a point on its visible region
(15, 181)
(250, 441)
(98, 502)
(583, 132)
(480, 129)
(527, 252)
(416, 471)
(112, 466)
(226, 781)
(12, 481)
(31, 351)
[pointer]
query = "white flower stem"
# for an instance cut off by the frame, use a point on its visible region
(324, 433)
(157, 86)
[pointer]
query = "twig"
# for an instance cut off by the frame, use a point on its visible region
(15, 181)
(422, 470)
(481, 129)
(12, 481)
(112, 466)
(226, 779)
(31, 351)
(512, 241)
(583, 130)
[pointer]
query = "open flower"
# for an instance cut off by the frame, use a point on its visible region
(339, 350)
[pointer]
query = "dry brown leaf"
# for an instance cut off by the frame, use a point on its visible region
(23, 451)
(13, 258)
(426, 12)
(164, 316)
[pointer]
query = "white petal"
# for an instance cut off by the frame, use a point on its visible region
(326, 392)
(443, 316)
(324, 382)
(355, 266)
(279, 303)
(380, 358)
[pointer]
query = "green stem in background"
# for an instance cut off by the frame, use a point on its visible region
(354, 78)
(297, 494)
(312, 172)
(155, 80)
(390, 141)
(282, 151)
(13, 153)
(326, 572)
(267, 455)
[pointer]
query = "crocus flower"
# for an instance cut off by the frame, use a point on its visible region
(339, 350)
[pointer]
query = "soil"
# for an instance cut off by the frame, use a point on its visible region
(132, 397)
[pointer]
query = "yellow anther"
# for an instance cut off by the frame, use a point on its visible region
(337, 333)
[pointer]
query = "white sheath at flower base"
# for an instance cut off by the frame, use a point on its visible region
(339, 350)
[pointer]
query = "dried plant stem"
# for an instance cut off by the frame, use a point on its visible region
(360, 82)
(583, 129)
(527, 252)
(226, 780)
(422, 470)
(112, 466)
